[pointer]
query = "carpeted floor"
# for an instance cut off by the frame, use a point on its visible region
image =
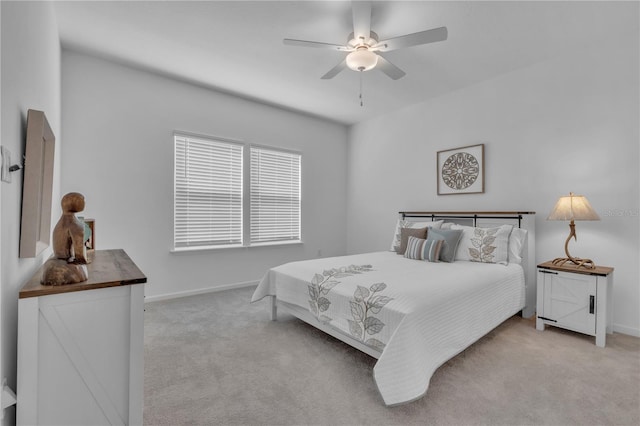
(215, 359)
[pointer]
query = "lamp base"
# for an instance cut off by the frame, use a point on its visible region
(559, 261)
(585, 263)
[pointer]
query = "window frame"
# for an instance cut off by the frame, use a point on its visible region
(245, 196)
(213, 139)
(249, 193)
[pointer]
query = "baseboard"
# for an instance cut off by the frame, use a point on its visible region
(179, 294)
(623, 329)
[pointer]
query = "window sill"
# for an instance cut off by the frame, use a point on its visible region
(276, 243)
(187, 250)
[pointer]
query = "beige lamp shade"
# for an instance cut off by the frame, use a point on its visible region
(573, 207)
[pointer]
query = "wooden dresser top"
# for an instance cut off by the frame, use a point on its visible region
(109, 268)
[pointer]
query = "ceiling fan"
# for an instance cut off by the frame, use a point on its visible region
(365, 50)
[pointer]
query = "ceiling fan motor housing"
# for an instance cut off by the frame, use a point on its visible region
(355, 43)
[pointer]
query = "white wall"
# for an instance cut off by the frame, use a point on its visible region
(118, 124)
(30, 80)
(567, 124)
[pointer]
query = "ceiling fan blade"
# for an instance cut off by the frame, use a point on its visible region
(361, 20)
(335, 70)
(388, 68)
(317, 44)
(415, 39)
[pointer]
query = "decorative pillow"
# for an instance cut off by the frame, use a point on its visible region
(395, 243)
(405, 233)
(451, 238)
(420, 249)
(485, 245)
(516, 243)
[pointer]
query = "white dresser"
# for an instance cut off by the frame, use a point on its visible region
(81, 347)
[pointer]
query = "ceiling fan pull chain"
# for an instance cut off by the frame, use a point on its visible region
(361, 101)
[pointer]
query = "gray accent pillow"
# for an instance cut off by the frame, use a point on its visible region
(405, 233)
(451, 239)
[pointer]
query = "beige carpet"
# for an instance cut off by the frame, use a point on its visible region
(215, 359)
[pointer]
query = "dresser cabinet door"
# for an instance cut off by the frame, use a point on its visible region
(570, 300)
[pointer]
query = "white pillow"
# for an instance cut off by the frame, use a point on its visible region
(395, 243)
(516, 243)
(486, 245)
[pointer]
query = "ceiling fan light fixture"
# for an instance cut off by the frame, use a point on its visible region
(362, 59)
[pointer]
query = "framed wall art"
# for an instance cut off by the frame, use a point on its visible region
(461, 170)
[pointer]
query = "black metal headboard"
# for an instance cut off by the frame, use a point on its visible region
(467, 215)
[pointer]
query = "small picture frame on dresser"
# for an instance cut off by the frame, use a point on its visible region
(89, 237)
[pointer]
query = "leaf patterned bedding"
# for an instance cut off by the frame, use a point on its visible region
(417, 314)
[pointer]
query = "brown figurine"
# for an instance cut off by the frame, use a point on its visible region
(68, 264)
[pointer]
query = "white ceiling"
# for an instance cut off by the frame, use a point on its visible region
(236, 46)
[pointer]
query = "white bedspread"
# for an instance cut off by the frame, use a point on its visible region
(419, 314)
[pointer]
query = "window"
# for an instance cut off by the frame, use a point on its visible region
(209, 192)
(275, 195)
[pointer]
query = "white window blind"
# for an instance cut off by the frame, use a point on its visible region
(275, 195)
(207, 193)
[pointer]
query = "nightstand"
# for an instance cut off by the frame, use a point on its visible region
(577, 299)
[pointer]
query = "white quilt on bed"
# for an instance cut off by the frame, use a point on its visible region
(418, 314)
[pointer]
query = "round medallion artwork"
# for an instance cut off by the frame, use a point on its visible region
(460, 170)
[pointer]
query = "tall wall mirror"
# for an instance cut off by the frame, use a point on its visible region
(35, 228)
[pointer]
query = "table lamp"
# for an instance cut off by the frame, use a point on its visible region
(573, 207)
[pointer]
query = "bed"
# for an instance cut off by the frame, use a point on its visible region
(410, 313)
